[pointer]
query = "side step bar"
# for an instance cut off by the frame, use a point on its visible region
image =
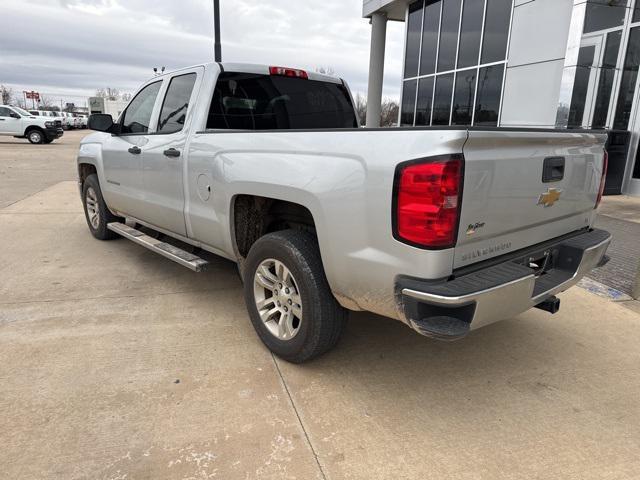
(171, 252)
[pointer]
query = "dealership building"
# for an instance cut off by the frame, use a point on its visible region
(518, 63)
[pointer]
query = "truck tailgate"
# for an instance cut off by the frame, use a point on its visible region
(522, 188)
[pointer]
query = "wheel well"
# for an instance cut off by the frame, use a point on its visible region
(84, 170)
(33, 127)
(256, 216)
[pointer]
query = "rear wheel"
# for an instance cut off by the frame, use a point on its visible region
(35, 136)
(288, 297)
(95, 210)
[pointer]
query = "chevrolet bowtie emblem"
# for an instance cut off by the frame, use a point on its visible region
(550, 198)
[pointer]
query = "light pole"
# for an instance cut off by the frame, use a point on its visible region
(216, 25)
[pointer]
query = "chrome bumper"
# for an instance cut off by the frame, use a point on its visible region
(505, 300)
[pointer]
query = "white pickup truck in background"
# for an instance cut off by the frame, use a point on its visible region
(445, 229)
(19, 123)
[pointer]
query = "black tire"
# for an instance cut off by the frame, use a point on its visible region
(47, 141)
(35, 136)
(323, 319)
(99, 230)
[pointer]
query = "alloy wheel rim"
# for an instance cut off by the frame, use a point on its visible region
(277, 299)
(35, 137)
(93, 211)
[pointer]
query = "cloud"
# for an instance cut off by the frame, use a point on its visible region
(76, 46)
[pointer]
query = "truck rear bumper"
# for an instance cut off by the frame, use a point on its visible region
(450, 309)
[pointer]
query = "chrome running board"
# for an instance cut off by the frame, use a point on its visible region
(184, 258)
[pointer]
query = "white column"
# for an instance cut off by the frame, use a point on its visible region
(376, 68)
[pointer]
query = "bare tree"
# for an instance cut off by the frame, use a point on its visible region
(361, 108)
(45, 103)
(126, 97)
(389, 113)
(110, 93)
(7, 94)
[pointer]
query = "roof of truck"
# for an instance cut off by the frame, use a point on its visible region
(256, 68)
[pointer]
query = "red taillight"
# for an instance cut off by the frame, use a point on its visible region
(427, 202)
(289, 72)
(605, 166)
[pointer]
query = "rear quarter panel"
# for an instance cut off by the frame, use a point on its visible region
(345, 179)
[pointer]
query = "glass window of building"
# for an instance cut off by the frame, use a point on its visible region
(449, 35)
(488, 97)
(425, 101)
(430, 36)
(442, 100)
(496, 30)
(586, 58)
(414, 29)
(463, 98)
(607, 77)
(457, 50)
(470, 33)
(408, 103)
(628, 82)
(604, 14)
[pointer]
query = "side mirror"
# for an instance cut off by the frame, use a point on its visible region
(14, 115)
(101, 122)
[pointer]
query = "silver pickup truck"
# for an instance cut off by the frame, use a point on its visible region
(445, 229)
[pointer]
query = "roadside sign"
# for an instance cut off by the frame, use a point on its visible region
(32, 95)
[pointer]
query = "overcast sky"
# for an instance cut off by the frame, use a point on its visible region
(73, 47)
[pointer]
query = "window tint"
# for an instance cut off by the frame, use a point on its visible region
(463, 97)
(5, 112)
(607, 75)
(449, 35)
(425, 100)
(245, 101)
(442, 100)
(470, 33)
(430, 37)
(176, 103)
(581, 86)
(488, 98)
(408, 103)
(604, 14)
(496, 30)
(628, 83)
(137, 117)
(414, 26)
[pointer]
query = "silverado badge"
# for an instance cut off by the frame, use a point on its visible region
(550, 198)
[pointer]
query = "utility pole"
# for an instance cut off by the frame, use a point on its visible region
(216, 24)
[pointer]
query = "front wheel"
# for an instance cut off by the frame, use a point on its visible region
(95, 210)
(288, 297)
(35, 136)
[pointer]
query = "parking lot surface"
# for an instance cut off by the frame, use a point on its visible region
(117, 364)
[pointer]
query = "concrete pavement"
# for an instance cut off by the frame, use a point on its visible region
(116, 363)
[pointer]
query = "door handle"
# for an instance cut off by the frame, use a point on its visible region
(135, 150)
(172, 152)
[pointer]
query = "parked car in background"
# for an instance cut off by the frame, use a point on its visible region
(445, 229)
(68, 122)
(19, 123)
(47, 113)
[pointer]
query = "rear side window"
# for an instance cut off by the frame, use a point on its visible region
(137, 117)
(176, 104)
(245, 101)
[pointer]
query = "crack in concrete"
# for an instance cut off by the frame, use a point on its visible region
(295, 409)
